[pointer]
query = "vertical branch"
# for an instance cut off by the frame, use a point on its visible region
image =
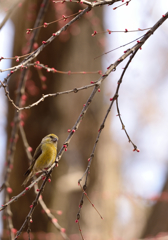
(86, 173)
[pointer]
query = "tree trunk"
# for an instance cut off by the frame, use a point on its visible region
(157, 220)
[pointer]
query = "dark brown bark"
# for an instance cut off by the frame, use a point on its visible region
(158, 218)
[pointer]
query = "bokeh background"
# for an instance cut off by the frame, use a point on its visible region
(124, 185)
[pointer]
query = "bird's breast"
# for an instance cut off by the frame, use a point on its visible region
(47, 157)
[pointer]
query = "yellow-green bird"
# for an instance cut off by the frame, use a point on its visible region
(44, 156)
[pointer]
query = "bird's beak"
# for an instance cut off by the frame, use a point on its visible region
(55, 139)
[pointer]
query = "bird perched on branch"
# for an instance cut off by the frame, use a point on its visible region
(44, 156)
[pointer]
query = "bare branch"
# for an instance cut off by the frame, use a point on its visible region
(10, 13)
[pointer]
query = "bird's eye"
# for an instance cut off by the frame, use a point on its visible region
(51, 137)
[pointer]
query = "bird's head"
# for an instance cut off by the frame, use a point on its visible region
(51, 138)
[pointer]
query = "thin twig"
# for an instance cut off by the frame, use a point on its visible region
(33, 206)
(46, 43)
(120, 31)
(50, 215)
(91, 4)
(75, 90)
(9, 13)
(56, 34)
(119, 47)
(88, 200)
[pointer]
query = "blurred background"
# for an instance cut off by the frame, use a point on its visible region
(128, 188)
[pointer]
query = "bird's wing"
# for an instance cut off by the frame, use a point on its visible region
(37, 153)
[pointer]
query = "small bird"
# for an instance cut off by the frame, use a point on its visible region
(44, 156)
